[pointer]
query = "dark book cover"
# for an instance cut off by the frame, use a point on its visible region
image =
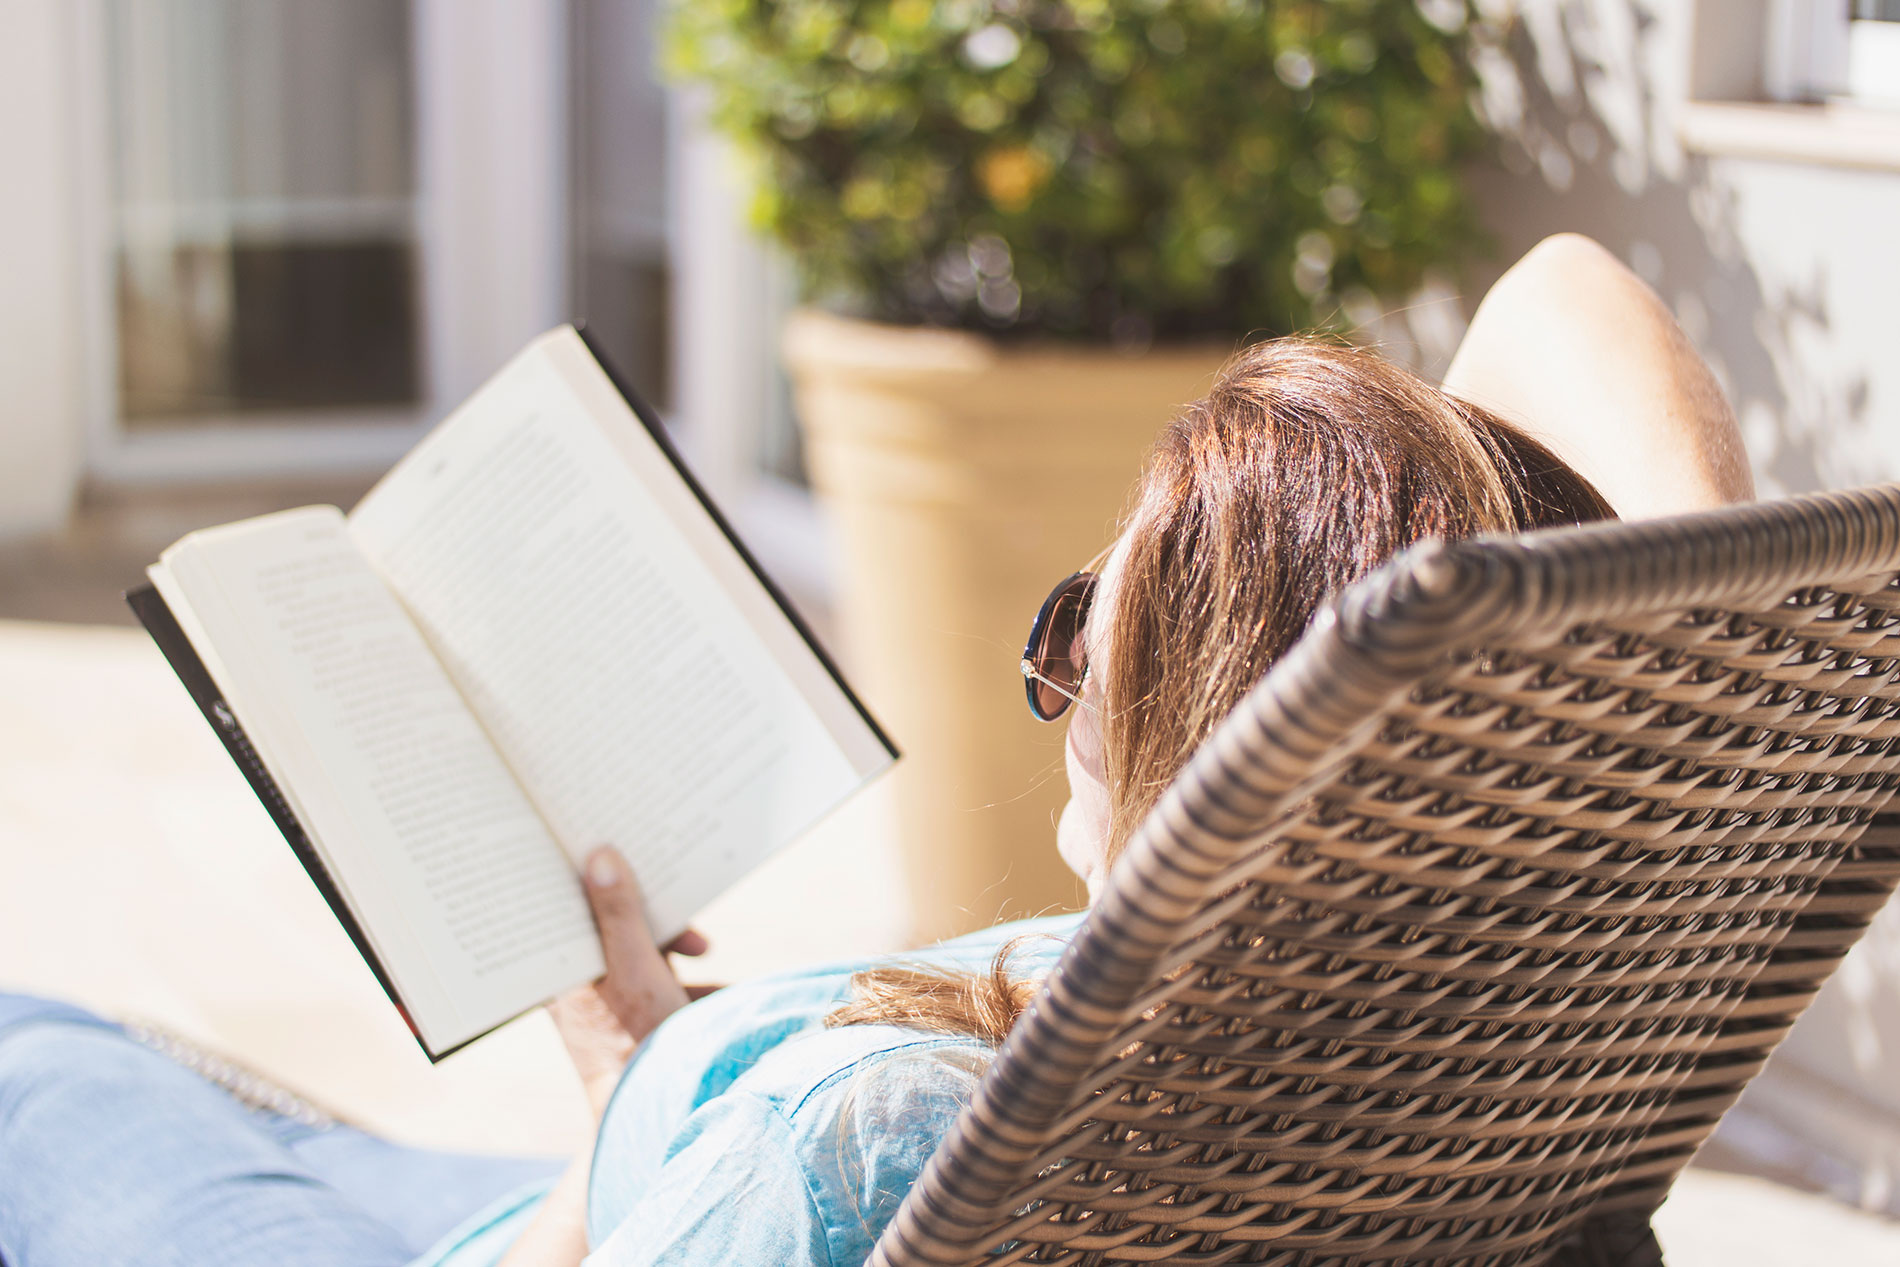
(156, 615)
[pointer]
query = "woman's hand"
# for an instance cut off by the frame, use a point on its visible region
(602, 1023)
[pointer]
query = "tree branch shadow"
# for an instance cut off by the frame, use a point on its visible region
(1582, 92)
(1589, 144)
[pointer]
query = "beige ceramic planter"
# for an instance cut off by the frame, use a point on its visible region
(962, 480)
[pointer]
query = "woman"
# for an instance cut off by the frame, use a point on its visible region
(782, 1121)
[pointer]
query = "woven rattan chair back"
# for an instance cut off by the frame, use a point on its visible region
(1455, 940)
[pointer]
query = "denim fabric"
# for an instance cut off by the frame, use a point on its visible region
(746, 1132)
(111, 1153)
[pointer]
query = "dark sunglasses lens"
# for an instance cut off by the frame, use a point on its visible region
(1055, 648)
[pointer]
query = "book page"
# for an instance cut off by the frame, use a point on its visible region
(472, 906)
(639, 692)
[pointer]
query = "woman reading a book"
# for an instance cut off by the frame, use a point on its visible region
(782, 1121)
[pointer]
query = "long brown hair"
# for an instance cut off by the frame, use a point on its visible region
(1308, 465)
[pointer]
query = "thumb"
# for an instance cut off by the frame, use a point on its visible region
(639, 986)
(619, 906)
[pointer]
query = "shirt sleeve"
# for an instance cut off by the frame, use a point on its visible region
(731, 1190)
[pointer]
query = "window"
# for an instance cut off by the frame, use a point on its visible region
(308, 229)
(1873, 52)
(262, 208)
(1798, 81)
(1823, 50)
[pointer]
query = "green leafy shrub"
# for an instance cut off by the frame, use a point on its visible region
(1097, 169)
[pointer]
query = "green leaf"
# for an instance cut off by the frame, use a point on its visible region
(1143, 160)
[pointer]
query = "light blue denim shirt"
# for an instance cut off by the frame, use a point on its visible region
(747, 1132)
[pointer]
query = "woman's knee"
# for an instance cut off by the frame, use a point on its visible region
(20, 1009)
(45, 1061)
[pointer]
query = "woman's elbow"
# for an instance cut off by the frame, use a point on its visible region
(1569, 253)
(1560, 272)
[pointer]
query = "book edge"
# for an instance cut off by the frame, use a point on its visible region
(650, 420)
(155, 614)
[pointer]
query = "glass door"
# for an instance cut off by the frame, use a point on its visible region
(315, 225)
(263, 222)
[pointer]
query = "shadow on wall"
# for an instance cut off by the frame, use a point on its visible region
(1586, 94)
(1582, 93)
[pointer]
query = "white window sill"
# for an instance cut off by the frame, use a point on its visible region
(1835, 135)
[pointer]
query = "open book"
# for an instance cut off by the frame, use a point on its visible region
(533, 637)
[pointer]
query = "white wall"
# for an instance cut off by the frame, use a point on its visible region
(1787, 276)
(1784, 273)
(41, 427)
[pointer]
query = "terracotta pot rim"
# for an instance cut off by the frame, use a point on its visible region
(814, 337)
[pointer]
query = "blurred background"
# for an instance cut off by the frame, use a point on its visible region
(251, 249)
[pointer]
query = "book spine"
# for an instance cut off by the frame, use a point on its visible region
(153, 612)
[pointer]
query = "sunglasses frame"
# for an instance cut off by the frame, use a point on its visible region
(1081, 585)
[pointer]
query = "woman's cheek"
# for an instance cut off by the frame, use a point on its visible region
(1082, 831)
(1078, 844)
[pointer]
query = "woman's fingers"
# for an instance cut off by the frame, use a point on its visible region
(639, 985)
(616, 897)
(689, 943)
(619, 907)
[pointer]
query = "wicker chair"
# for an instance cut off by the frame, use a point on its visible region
(1456, 939)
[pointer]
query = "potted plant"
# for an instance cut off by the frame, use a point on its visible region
(1027, 231)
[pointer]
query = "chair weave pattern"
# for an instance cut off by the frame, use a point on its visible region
(1466, 927)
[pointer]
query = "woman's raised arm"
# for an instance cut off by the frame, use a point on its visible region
(1573, 346)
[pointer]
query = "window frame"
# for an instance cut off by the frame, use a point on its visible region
(1751, 87)
(1820, 51)
(491, 217)
(732, 292)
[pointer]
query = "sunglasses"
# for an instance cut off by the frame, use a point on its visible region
(1055, 661)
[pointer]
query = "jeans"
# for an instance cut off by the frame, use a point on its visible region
(112, 1153)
